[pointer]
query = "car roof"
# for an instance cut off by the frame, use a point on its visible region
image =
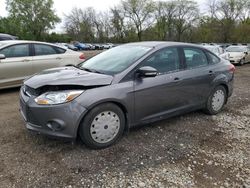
(11, 42)
(160, 44)
(6, 35)
(210, 46)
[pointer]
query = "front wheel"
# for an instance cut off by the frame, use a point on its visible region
(102, 126)
(216, 100)
(242, 62)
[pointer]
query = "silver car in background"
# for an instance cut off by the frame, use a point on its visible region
(21, 59)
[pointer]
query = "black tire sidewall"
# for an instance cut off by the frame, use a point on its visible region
(242, 62)
(84, 130)
(209, 107)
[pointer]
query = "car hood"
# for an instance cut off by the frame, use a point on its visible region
(236, 54)
(67, 76)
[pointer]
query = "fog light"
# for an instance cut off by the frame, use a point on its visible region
(55, 125)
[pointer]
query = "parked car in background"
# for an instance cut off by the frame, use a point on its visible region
(81, 46)
(214, 49)
(91, 46)
(218, 51)
(125, 86)
(21, 59)
(7, 37)
(98, 46)
(71, 47)
(238, 54)
(107, 46)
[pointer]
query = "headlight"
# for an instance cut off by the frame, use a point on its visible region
(57, 97)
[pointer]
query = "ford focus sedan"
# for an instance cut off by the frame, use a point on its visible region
(132, 84)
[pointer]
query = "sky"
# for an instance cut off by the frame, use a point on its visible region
(63, 7)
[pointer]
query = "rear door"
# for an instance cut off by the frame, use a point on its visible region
(197, 77)
(45, 57)
(16, 66)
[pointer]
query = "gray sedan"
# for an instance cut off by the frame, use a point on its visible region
(132, 84)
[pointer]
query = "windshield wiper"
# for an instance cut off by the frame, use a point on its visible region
(90, 70)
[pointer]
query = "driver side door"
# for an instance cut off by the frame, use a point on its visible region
(156, 96)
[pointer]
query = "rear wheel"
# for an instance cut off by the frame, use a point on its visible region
(216, 100)
(102, 126)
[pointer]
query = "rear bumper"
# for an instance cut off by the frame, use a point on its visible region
(60, 121)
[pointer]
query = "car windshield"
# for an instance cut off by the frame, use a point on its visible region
(236, 49)
(115, 60)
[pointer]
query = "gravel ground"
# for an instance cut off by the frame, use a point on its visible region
(193, 150)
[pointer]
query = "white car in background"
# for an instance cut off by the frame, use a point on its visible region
(238, 54)
(21, 59)
(218, 51)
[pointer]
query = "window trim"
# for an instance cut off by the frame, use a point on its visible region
(29, 47)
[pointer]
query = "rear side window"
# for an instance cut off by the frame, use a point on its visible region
(60, 50)
(164, 61)
(42, 49)
(194, 57)
(212, 58)
(20, 50)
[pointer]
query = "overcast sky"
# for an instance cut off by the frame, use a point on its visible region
(63, 7)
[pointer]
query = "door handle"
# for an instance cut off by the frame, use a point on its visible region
(211, 72)
(26, 60)
(176, 79)
(59, 58)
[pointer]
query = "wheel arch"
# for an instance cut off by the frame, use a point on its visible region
(117, 103)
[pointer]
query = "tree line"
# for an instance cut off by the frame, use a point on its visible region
(132, 20)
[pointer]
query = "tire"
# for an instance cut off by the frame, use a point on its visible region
(242, 62)
(99, 130)
(216, 100)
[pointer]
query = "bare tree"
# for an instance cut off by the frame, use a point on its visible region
(165, 15)
(139, 12)
(186, 14)
(227, 13)
(117, 22)
(79, 24)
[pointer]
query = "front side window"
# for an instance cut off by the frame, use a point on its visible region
(42, 49)
(164, 61)
(194, 57)
(20, 50)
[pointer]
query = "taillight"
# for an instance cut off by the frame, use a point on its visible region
(231, 68)
(82, 56)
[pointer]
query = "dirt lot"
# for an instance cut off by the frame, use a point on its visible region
(194, 150)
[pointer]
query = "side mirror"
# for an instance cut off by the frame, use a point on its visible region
(2, 56)
(147, 71)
